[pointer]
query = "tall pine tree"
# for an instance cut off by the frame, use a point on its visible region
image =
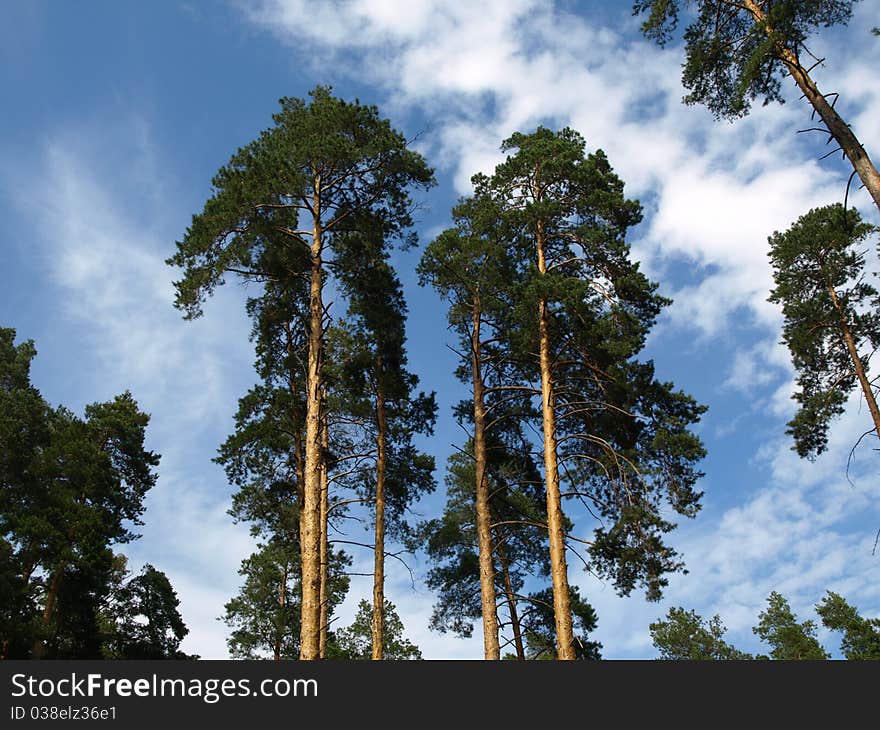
(293, 196)
(379, 391)
(618, 438)
(469, 268)
(831, 324)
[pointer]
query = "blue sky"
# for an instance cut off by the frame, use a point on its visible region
(117, 115)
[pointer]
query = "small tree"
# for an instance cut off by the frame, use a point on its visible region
(789, 640)
(861, 636)
(685, 635)
(539, 626)
(356, 641)
(264, 617)
(516, 518)
(148, 624)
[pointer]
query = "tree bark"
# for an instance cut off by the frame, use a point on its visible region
(314, 459)
(837, 127)
(298, 456)
(282, 603)
(39, 648)
(325, 544)
(555, 521)
(491, 646)
(511, 605)
(859, 369)
(378, 625)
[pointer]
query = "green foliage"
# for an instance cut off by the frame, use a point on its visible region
(71, 487)
(355, 641)
(334, 162)
(861, 636)
(685, 635)
(624, 437)
(789, 640)
(540, 629)
(816, 259)
(147, 623)
(469, 265)
(731, 60)
(103, 612)
(264, 617)
(18, 612)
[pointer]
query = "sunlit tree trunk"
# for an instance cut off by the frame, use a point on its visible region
(858, 368)
(555, 522)
(378, 626)
(838, 128)
(484, 535)
(314, 457)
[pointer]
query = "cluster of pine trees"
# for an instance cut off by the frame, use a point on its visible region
(686, 635)
(551, 314)
(575, 451)
(71, 488)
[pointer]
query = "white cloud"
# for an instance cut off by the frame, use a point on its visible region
(482, 71)
(755, 368)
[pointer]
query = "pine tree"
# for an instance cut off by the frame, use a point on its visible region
(738, 51)
(538, 623)
(684, 635)
(581, 310)
(96, 475)
(379, 394)
(278, 209)
(264, 617)
(861, 636)
(356, 641)
(71, 488)
(516, 519)
(831, 324)
(789, 640)
(24, 530)
(145, 618)
(468, 267)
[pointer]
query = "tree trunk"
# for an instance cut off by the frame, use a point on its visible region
(484, 535)
(298, 456)
(857, 361)
(378, 626)
(282, 604)
(837, 127)
(39, 647)
(555, 521)
(325, 544)
(511, 605)
(314, 460)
